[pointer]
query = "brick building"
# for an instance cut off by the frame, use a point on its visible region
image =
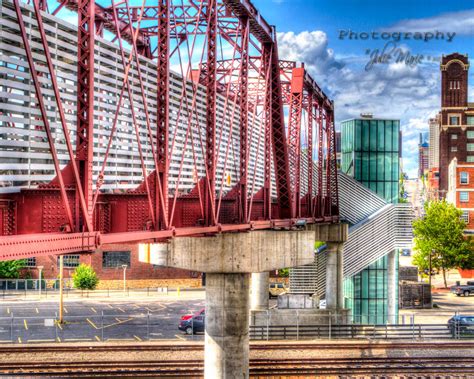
(461, 190)
(456, 117)
(108, 264)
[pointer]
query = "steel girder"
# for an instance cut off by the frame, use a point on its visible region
(68, 204)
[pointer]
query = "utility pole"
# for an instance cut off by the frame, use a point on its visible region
(61, 267)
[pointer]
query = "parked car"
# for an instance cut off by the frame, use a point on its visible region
(461, 324)
(193, 323)
(276, 289)
(465, 290)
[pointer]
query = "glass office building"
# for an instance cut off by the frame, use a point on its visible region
(370, 154)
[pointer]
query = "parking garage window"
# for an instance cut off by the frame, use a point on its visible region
(114, 259)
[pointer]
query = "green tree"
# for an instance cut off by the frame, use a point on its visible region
(440, 234)
(85, 278)
(11, 269)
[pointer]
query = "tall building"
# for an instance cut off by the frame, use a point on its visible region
(423, 155)
(370, 154)
(434, 125)
(456, 116)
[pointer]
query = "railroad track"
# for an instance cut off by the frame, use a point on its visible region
(64, 348)
(258, 367)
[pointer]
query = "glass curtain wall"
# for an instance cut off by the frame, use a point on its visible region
(370, 154)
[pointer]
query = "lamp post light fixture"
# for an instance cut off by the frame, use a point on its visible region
(40, 268)
(124, 277)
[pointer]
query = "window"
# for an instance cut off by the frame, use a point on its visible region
(470, 158)
(464, 177)
(454, 136)
(470, 147)
(470, 134)
(113, 259)
(470, 121)
(30, 262)
(463, 197)
(70, 261)
(454, 149)
(465, 216)
(454, 120)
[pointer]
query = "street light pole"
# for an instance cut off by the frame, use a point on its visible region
(40, 268)
(124, 277)
(432, 251)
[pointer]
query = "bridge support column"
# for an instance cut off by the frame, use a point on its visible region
(392, 283)
(260, 290)
(227, 326)
(334, 276)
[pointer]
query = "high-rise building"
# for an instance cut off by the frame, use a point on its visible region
(433, 150)
(460, 191)
(456, 116)
(423, 155)
(370, 154)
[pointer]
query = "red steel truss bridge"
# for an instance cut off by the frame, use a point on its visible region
(152, 120)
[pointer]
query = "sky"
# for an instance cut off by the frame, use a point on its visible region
(317, 32)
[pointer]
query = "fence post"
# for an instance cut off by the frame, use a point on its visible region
(330, 325)
(386, 331)
(102, 326)
(11, 328)
(268, 321)
(148, 326)
(297, 325)
(56, 326)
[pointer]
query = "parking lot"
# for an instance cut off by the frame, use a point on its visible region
(96, 319)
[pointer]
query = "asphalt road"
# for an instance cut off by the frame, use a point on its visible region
(99, 320)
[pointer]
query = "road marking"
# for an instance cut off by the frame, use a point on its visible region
(77, 339)
(59, 339)
(138, 338)
(50, 340)
(162, 306)
(180, 337)
(118, 323)
(110, 306)
(8, 310)
(37, 310)
(19, 340)
(65, 310)
(137, 306)
(118, 319)
(93, 310)
(120, 309)
(59, 325)
(97, 338)
(93, 325)
(26, 324)
(148, 309)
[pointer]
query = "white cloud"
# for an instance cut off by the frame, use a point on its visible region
(461, 22)
(394, 90)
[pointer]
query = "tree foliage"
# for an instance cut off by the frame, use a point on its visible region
(440, 233)
(85, 278)
(11, 269)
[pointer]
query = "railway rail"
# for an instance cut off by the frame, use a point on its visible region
(258, 367)
(448, 363)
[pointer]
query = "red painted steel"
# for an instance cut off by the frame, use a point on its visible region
(254, 81)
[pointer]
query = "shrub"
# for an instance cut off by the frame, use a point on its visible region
(85, 278)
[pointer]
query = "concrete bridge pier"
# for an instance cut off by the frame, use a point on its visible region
(228, 259)
(259, 291)
(334, 277)
(226, 347)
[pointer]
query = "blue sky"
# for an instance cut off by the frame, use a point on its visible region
(309, 31)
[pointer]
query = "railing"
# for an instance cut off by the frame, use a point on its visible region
(353, 331)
